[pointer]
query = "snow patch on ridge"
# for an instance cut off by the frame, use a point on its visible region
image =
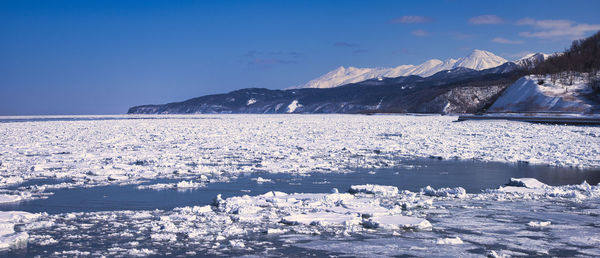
(293, 106)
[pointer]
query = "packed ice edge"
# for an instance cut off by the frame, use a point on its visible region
(196, 152)
(431, 217)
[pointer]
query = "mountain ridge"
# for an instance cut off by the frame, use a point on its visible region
(477, 60)
(458, 90)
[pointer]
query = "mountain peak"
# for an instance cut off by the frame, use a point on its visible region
(476, 60)
(533, 55)
(481, 53)
(531, 60)
(480, 59)
(433, 62)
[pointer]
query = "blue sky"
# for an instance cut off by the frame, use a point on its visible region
(101, 57)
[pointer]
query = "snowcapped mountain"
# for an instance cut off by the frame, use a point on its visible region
(343, 75)
(530, 60)
(477, 60)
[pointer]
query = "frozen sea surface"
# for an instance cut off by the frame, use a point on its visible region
(412, 175)
(277, 185)
(526, 217)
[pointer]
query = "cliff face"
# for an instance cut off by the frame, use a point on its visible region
(459, 90)
(464, 100)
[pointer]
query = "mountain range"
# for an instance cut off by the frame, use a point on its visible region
(476, 60)
(465, 85)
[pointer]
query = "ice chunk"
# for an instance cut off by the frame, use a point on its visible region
(189, 185)
(182, 185)
(10, 198)
(395, 222)
(163, 237)
(531, 187)
(365, 207)
(271, 231)
(526, 182)
(321, 219)
(8, 237)
(237, 243)
(383, 190)
(274, 194)
(494, 254)
(118, 177)
(141, 252)
(417, 204)
(538, 224)
(457, 192)
(260, 180)
(449, 241)
(202, 209)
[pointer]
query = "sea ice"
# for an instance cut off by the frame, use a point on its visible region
(449, 241)
(526, 182)
(539, 224)
(374, 189)
(436, 224)
(394, 222)
(322, 219)
(260, 180)
(212, 148)
(9, 198)
(197, 149)
(457, 192)
(9, 238)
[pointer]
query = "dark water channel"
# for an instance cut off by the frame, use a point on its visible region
(474, 176)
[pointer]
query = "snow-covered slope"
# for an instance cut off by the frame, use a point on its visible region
(530, 60)
(477, 60)
(344, 75)
(525, 95)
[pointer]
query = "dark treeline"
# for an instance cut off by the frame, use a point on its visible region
(582, 58)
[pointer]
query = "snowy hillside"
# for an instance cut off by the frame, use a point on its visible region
(526, 95)
(530, 60)
(477, 60)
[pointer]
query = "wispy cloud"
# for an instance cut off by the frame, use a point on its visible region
(270, 59)
(420, 33)
(548, 29)
(486, 19)
(506, 41)
(412, 19)
(404, 51)
(344, 44)
(355, 47)
(461, 36)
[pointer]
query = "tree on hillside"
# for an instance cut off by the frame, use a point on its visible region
(583, 57)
